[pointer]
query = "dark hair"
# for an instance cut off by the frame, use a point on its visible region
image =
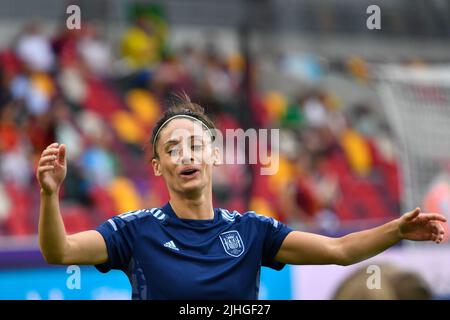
(181, 105)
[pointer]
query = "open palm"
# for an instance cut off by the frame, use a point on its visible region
(418, 226)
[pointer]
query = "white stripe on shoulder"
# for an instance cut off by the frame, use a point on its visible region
(113, 224)
(155, 212)
(225, 211)
(226, 215)
(130, 213)
(158, 214)
(275, 223)
(136, 214)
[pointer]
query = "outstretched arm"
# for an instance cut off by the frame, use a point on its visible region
(57, 247)
(307, 248)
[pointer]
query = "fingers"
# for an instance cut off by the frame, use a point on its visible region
(437, 238)
(62, 154)
(47, 160)
(55, 149)
(412, 214)
(51, 149)
(49, 156)
(43, 169)
(437, 230)
(434, 217)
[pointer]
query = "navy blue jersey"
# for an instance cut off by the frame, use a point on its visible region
(166, 257)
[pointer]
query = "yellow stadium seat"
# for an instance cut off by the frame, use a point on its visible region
(124, 195)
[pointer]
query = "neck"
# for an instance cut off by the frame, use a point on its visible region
(193, 206)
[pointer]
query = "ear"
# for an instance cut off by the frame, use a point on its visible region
(156, 167)
(216, 156)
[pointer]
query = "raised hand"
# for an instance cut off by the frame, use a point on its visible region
(52, 168)
(418, 226)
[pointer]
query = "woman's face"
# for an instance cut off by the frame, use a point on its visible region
(185, 156)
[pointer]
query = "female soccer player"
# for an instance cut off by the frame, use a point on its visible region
(187, 249)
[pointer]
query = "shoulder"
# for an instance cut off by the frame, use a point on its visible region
(262, 218)
(229, 216)
(136, 216)
(248, 216)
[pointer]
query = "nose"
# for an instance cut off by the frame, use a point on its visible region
(187, 155)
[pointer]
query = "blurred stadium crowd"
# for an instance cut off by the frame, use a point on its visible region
(73, 87)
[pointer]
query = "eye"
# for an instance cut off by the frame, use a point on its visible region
(174, 152)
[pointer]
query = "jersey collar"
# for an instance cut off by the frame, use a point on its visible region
(167, 209)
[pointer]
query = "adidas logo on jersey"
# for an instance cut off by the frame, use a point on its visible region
(170, 244)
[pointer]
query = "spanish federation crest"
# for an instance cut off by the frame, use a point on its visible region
(232, 243)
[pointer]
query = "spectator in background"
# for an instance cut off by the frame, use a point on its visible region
(14, 166)
(66, 130)
(140, 45)
(34, 49)
(14, 149)
(217, 80)
(95, 52)
(97, 161)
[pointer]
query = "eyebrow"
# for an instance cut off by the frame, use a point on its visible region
(196, 137)
(171, 141)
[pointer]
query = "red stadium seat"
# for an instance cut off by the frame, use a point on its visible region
(76, 218)
(19, 219)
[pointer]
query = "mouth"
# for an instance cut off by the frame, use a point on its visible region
(190, 172)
